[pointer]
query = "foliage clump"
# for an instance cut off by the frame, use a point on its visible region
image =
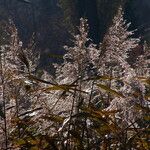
(96, 100)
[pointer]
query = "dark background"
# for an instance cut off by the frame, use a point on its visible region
(52, 21)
